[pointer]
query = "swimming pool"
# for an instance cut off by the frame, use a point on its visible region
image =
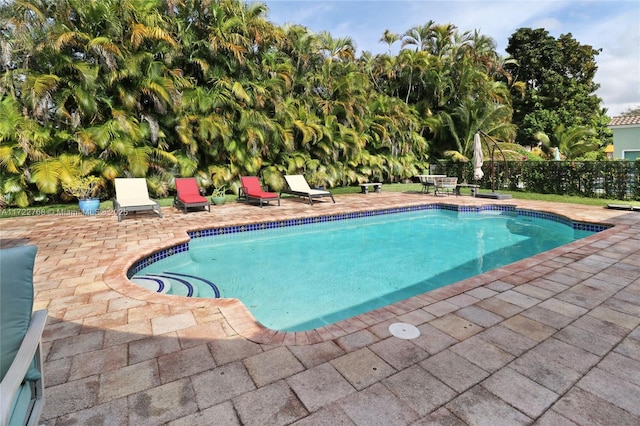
(305, 273)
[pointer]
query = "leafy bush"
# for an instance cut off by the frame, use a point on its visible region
(595, 179)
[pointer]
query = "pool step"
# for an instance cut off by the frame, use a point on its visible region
(178, 284)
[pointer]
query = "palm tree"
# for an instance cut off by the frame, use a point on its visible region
(419, 36)
(572, 142)
(389, 38)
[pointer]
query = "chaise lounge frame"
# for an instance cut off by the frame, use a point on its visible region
(132, 195)
(298, 186)
(252, 190)
(190, 185)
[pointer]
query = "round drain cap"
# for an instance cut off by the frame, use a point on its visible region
(404, 331)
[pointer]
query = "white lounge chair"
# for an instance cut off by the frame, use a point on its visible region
(298, 186)
(132, 195)
(445, 184)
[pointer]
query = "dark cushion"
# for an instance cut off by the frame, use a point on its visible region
(16, 302)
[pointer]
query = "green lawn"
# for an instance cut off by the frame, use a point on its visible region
(72, 208)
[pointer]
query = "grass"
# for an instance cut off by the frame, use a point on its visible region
(72, 208)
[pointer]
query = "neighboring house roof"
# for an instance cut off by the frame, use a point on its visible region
(625, 120)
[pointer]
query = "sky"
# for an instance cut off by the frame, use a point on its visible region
(611, 25)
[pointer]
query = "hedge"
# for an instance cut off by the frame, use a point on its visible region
(595, 179)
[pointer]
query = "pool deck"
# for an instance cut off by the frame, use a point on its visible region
(553, 339)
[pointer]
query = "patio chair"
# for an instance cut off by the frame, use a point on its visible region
(188, 195)
(251, 190)
(132, 195)
(428, 181)
(22, 385)
(298, 186)
(445, 184)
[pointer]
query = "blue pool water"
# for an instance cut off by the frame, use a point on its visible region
(298, 278)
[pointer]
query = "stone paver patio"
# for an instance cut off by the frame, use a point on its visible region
(552, 339)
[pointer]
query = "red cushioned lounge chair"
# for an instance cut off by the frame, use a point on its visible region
(251, 190)
(188, 195)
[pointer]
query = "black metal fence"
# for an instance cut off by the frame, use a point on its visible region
(596, 179)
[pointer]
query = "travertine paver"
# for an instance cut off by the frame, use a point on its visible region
(362, 368)
(152, 347)
(233, 349)
(70, 397)
(546, 371)
(629, 347)
(433, 340)
(399, 353)
(163, 403)
(483, 354)
(272, 365)
(566, 354)
(527, 327)
(320, 386)
(547, 317)
(439, 309)
(76, 345)
(479, 316)
(456, 327)
(96, 362)
(479, 406)
(500, 307)
(128, 380)
(442, 416)
(622, 366)
(518, 299)
(357, 340)
(419, 389)
(534, 291)
(591, 342)
(507, 340)
(312, 355)
(613, 389)
(223, 414)
(621, 319)
(453, 370)
(221, 384)
(274, 404)
(185, 363)
(331, 415)
(521, 392)
(564, 308)
(377, 405)
(553, 339)
(115, 412)
(585, 408)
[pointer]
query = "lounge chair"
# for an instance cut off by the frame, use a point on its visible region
(623, 207)
(298, 186)
(445, 184)
(251, 190)
(132, 195)
(188, 195)
(21, 373)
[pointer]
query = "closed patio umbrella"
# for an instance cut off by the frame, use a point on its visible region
(477, 157)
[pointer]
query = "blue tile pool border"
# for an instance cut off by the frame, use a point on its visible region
(234, 229)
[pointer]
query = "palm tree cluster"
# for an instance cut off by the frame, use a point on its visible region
(212, 89)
